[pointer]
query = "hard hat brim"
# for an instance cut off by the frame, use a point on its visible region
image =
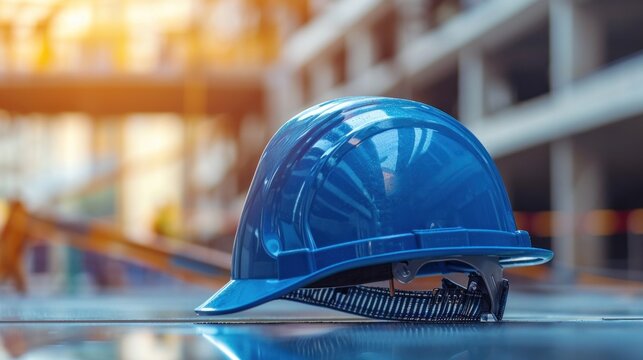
(238, 295)
(242, 294)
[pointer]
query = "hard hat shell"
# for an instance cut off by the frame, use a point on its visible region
(360, 181)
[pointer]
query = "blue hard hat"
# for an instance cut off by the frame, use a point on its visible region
(353, 185)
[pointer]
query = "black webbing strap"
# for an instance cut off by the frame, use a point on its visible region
(451, 303)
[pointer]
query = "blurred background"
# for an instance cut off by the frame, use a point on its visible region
(130, 129)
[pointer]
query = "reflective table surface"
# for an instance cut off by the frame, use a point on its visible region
(578, 323)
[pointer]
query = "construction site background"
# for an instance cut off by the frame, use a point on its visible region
(130, 129)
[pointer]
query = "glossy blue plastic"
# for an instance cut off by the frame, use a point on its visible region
(362, 181)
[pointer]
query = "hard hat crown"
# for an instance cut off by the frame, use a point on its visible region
(356, 182)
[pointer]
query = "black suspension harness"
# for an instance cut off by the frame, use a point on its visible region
(483, 298)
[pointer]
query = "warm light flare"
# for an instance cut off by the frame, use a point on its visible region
(72, 22)
(141, 36)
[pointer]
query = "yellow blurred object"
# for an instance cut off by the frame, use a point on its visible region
(4, 212)
(167, 221)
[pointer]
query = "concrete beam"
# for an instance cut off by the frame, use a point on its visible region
(113, 95)
(328, 30)
(489, 24)
(604, 97)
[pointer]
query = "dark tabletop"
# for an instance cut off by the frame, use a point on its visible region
(555, 323)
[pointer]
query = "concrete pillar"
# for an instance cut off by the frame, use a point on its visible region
(577, 176)
(284, 95)
(471, 86)
(576, 43)
(577, 185)
(498, 93)
(562, 201)
(322, 78)
(360, 52)
(413, 22)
